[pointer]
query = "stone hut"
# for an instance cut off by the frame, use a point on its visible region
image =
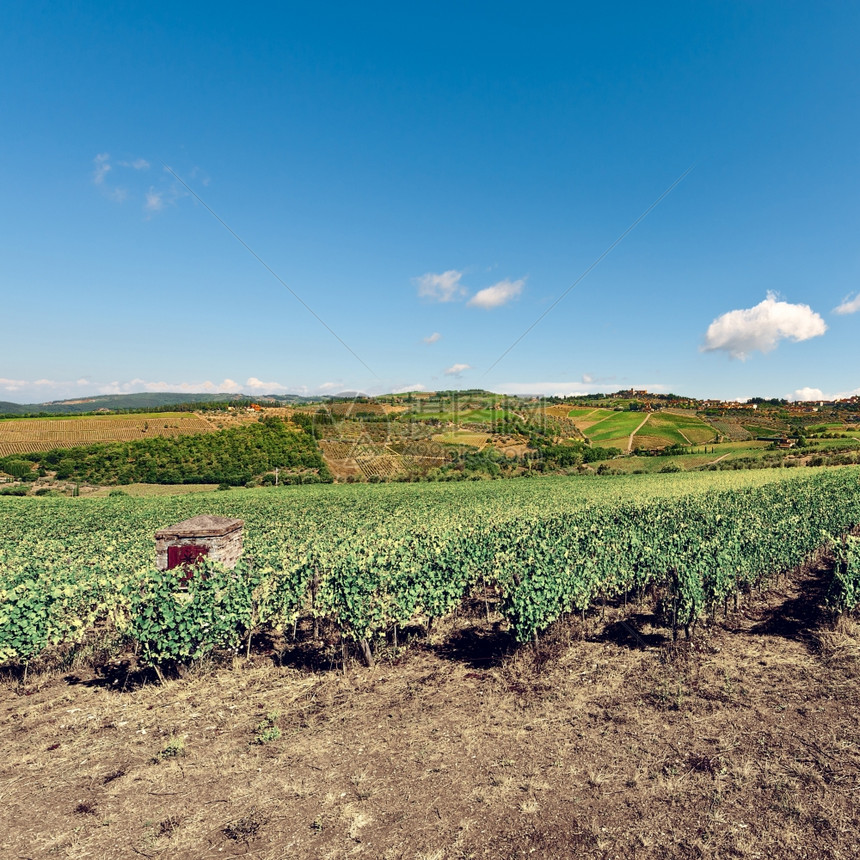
(217, 538)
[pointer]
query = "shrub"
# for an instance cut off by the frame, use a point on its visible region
(13, 491)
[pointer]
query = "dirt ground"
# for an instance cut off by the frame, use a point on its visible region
(608, 742)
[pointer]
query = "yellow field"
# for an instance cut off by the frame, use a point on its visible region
(351, 409)
(698, 435)
(29, 435)
(462, 437)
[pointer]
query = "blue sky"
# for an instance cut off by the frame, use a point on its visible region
(429, 179)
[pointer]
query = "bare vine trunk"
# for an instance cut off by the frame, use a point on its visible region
(366, 653)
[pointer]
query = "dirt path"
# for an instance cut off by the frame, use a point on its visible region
(642, 424)
(740, 743)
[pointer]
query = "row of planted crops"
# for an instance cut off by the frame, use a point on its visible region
(369, 559)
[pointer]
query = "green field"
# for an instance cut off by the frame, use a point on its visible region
(698, 457)
(679, 429)
(610, 427)
(615, 425)
(834, 428)
(587, 414)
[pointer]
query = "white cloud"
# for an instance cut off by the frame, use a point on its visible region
(162, 191)
(444, 287)
(497, 295)
(102, 167)
(587, 378)
(406, 388)
(433, 338)
(137, 164)
(741, 332)
(457, 369)
(808, 394)
(154, 200)
(12, 384)
(849, 305)
(264, 387)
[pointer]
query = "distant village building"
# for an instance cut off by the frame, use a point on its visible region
(206, 536)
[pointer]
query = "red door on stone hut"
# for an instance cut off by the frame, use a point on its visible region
(185, 557)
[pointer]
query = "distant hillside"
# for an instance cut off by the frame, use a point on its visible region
(144, 400)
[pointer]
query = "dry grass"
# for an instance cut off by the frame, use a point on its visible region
(743, 743)
(462, 437)
(30, 435)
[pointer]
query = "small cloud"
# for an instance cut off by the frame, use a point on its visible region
(444, 287)
(849, 306)
(433, 338)
(162, 190)
(328, 386)
(12, 384)
(102, 167)
(137, 164)
(457, 369)
(497, 295)
(154, 200)
(407, 388)
(741, 332)
(587, 378)
(257, 385)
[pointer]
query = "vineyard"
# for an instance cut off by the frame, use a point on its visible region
(367, 561)
(30, 435)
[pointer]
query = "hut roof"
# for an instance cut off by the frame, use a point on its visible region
(206, 525)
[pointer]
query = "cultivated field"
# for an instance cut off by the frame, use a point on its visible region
(606, 740)
(29, 435)
(614, 428)
(609, 428)
(680, 429)
(462, 437)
